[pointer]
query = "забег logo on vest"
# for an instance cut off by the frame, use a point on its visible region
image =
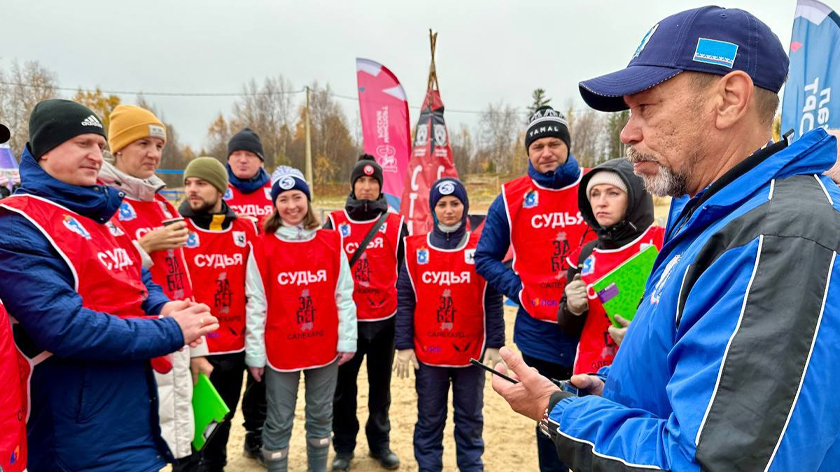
(446, 311)
(305, 315)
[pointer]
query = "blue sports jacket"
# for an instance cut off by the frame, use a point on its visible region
(731, 361)
(94, 401)
(535, 338)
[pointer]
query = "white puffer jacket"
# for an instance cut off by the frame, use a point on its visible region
(175, 389)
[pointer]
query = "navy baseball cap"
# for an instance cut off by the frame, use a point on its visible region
(709, 39)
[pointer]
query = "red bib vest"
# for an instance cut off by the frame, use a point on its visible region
(217, 261)
(449, 314)
(545, 228)
(256, 204)
(300, 279)
(169, 269)
(375, 273)
(14, 399)
(105, 264)
(597, 348)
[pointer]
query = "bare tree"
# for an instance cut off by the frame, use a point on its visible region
(21, 88)
(268, 110)
(500, 125)
(588, 137)
(462, 149)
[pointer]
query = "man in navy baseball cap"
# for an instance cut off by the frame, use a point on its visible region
(730, 361)
(710, 40)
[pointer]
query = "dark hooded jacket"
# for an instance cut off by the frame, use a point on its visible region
(637, 218)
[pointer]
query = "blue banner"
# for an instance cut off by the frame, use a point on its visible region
(814, 70)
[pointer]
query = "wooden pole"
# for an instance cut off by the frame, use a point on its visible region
(308, 169)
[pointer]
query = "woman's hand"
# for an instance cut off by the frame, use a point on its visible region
(257, 373)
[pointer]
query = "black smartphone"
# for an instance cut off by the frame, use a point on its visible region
(172, 221)
(493, 371)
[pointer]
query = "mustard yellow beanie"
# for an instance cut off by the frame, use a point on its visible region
(130, 123)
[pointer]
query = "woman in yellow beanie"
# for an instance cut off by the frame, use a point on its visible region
(136, 138)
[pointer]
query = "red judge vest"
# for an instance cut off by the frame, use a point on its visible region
(14, 370)
(449, 314)
(597, 348)
(545, 228)
(375, 273)
(170, 268)
(256, 204)
(105, 264)
(300, 278)
(217, 261)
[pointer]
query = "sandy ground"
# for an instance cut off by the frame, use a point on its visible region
(510, 442)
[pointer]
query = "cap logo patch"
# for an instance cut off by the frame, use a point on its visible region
(368, 169)
(446, 188)
(92, 120)
(287, 183)
(156, 131)
(645, 40)
(718, 53)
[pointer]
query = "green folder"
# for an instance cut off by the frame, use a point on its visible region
(209, 410)
(621, 290)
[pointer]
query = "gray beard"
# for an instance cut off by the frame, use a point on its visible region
(665, 183)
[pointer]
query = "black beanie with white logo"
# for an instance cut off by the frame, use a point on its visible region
(55, 121)
(547, 122)
(366, 166)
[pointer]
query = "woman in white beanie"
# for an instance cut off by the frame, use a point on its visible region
(614, 202)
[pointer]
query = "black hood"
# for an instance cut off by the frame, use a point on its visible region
(639, 214)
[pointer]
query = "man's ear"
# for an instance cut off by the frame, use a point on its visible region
(734, 93)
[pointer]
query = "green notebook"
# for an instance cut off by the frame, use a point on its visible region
(209, 410)
(621, 290)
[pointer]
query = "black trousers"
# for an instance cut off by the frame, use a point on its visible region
(228, 370)
(376, 342)
(546, 450)
(254, 407)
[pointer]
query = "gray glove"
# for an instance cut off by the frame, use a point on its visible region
(576, 300)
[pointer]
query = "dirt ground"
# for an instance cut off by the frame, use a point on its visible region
(509, 439)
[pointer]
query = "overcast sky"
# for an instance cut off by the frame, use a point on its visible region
(488, 50)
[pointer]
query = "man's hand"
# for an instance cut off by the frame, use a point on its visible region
(591, 383)
(166, 237)
(491, 358)
(200, 365)
(175, 305)
(576, 299)
(402, 361)
(344, 357)
(618, 333)
(257, 373)
(195, 321)
(531, 395)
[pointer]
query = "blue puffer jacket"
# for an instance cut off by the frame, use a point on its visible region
(535, 338)
(94, 402)
(731, 361)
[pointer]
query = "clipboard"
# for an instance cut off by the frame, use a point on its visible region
(209, 411)
(621, 290)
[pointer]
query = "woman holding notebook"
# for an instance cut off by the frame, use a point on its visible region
(615, 204)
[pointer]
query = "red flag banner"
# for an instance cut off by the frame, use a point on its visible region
(385, 127)
(431, 159)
